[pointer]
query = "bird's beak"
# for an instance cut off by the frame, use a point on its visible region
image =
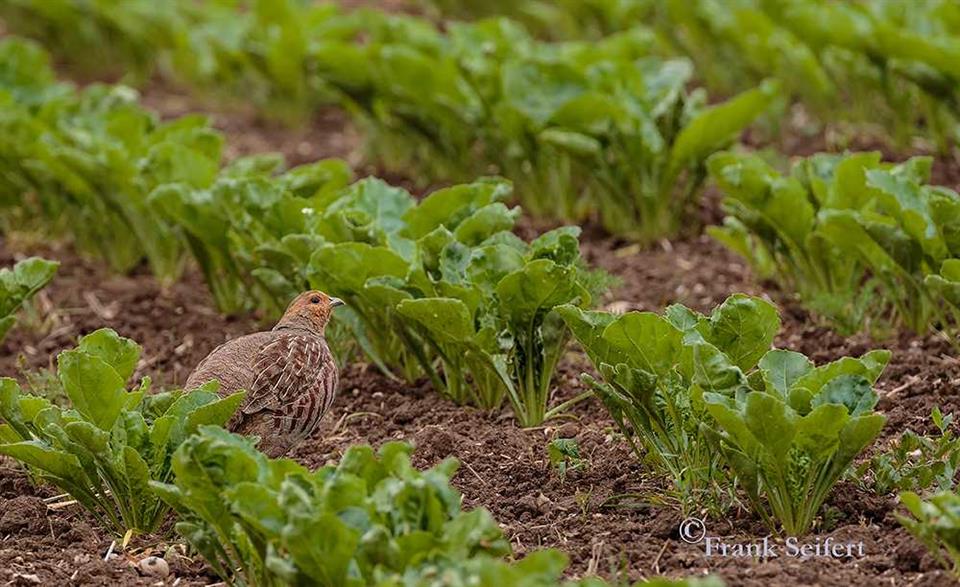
(334, 302)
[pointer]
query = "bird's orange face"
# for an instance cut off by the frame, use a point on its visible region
(311, 309)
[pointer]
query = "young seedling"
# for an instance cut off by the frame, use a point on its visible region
(564, 455)
(19, 284)
(917, 463)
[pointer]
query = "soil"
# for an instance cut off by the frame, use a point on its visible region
(503, 468)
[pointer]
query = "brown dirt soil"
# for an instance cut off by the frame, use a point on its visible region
(504, 468)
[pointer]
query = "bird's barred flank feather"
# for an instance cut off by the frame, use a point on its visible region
(295, 381)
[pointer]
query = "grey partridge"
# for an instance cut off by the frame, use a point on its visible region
(288, 372)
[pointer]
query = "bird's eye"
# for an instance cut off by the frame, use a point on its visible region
(315, 300)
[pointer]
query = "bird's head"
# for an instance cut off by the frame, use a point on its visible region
(310, 310)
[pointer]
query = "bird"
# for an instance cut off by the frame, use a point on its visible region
(288, 373)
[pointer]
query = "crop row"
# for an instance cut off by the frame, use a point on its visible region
(882, 64)
(891, 62)
(865, 244)
(888, 67)
(604, 129)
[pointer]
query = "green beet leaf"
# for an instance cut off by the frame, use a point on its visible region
(93, 386)
(19, 284)
(935, 522)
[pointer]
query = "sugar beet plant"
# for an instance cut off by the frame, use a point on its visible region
(599, 127)
(371, 519)
(889, 64)
(704, 399)
(935, 522)
(85, 161)
(251, 50)
(865, 244)
(655, 371)
(511, 340)
(450, 292)
(793, 437)
(19, 284)
(109, 443)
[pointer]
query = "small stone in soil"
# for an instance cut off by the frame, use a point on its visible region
(154, 566)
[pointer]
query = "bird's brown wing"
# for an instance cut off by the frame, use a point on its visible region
(295, 380)
(231, 363)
